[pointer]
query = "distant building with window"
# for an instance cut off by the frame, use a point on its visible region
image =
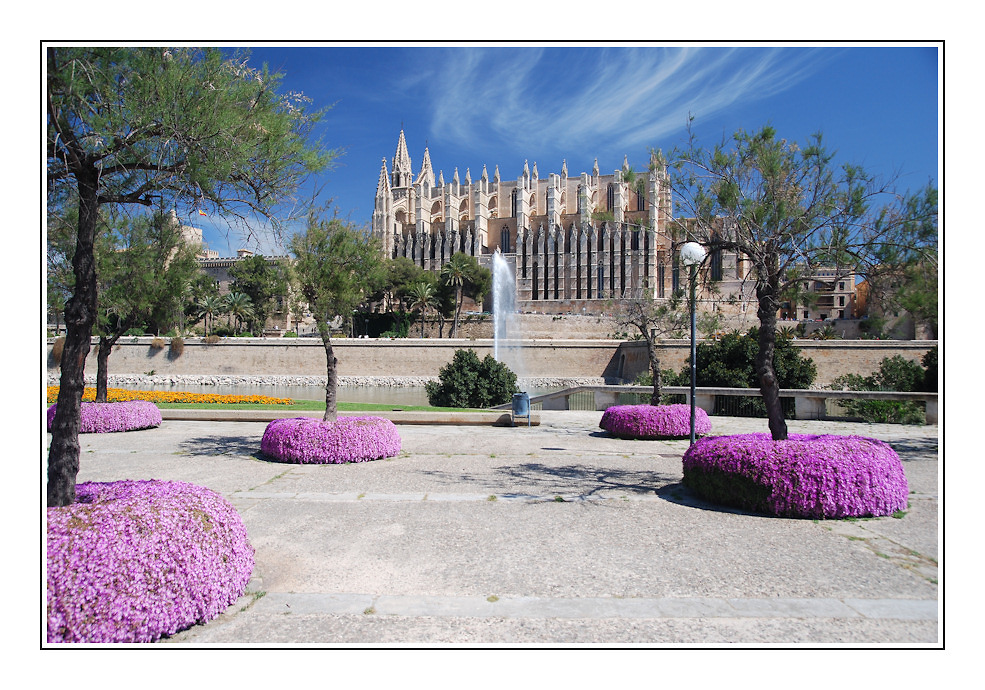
(828, 293)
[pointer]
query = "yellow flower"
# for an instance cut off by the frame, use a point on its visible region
(122, 395)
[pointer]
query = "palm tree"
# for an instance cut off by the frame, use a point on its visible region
(422, 296)
(209, 307)
(456, 273)
(826, 333)
(786, 332)
(240, 307)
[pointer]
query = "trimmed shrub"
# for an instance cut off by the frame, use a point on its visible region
(468, 382)
(134, 561)
(805, 476)
(177, 346)
(157, 344)
(100, 418)
(211, 339)
(57, 348)
(730, 362)
(654, 422)
(304, 440)
(895, 373)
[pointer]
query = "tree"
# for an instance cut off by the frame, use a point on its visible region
(240, 307)
(422, 297)
(784, 207)
(654, 319)
(465, 276)
(401, 273)
(337, 267)
(170, 126)
(455, 274)
(904, 274)
(143, 265)
(208, 307)
(262, 281)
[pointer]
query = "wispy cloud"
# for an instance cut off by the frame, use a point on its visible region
(623, 98)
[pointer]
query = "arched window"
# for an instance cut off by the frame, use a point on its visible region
(504, 240)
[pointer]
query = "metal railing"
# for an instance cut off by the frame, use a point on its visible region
(805, 403)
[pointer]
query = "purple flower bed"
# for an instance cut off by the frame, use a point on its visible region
(132, 561)
(304, 440)
(130, 415)
(654, 421)
(804, 476)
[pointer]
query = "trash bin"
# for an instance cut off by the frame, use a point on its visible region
(521, 407)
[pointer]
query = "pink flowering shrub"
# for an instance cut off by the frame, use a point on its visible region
(115, 416)
(303, 440)
(654, 421)
(132, 561)
(804, 476)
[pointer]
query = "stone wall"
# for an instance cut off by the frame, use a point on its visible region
(612, 360)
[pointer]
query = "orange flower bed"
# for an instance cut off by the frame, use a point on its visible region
(123, 395)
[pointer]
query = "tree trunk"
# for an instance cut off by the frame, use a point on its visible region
(102, 367)
(80, 314)
(769, 386)
(331, 371)
(458, 311)
(655, 372)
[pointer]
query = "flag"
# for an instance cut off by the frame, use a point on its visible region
(202, 213)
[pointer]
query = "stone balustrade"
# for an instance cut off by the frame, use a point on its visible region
(809, 404)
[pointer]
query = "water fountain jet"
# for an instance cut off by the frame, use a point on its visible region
(507, 346)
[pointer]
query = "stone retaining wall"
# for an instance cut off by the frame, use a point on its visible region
(410, 361)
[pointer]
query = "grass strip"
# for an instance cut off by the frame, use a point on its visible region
(315, 406)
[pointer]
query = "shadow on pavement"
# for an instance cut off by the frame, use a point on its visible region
(248, 446)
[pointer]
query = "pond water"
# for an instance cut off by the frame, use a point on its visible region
(397, 395)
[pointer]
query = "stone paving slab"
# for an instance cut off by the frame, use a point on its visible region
(550, 534)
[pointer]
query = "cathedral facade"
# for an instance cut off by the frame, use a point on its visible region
(575, 242)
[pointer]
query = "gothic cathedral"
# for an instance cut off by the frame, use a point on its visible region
(575, 243)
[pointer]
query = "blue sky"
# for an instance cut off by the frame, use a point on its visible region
(475, 104)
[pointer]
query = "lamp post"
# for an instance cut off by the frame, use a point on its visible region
(692, 254)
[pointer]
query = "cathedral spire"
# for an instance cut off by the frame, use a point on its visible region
(426, 176)
(402, 168)
(383, 185)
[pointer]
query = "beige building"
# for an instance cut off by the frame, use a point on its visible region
(828, 294)
(575, 242)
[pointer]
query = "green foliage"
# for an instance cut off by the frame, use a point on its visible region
(789, 209)
(929, 362)
(422, 298)
(895, 373)
(240, 307)
(262, 281)
(178, 127)
(464, 276)
(730, 362)
(337, 267)
(468, 382)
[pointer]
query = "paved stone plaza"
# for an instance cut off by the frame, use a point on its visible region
(552, 534)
